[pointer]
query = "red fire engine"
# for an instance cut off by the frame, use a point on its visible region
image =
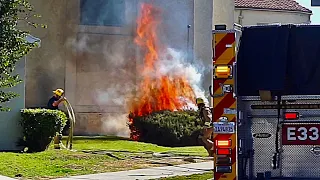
(266, 99)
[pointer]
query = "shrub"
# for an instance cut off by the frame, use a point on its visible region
(166, 128)
(40, 126)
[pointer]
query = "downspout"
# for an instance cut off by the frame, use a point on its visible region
(238, 26)
(240, 17)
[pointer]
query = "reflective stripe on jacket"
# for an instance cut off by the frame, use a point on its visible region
(206, 115)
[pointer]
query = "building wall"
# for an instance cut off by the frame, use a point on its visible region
(253, 17)
(103, 61)
(89, 62)
(10, 129)
(223, 13)
(46, 65)
(203, 11)
(97, 64)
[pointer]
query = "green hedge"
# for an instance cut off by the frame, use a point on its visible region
(40, 126)
(171, 129)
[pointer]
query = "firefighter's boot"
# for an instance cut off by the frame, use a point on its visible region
(209, 149)
(57, 142)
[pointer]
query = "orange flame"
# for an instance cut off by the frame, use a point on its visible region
(156, 92)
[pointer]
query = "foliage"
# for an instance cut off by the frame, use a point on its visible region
(166, 128)
(40, 126)
(13, 44)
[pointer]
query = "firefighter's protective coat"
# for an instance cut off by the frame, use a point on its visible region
(206, 115)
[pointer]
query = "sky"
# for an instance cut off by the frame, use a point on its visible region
(315, 17)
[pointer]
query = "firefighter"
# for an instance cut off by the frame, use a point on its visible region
(206, 116)
(53, 104)
(56, 99)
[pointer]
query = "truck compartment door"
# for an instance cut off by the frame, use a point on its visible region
(262, 59)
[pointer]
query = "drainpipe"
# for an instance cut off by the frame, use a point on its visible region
(240, 17)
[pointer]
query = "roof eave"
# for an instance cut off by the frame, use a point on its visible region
(275, 10)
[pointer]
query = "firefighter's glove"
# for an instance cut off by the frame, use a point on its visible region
(207, 124)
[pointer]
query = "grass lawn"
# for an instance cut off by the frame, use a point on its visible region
(110, 154)
(193, 177)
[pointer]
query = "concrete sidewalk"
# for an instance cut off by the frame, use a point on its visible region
(6, 178)
(150, 173)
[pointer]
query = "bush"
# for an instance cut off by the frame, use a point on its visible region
(40, 126)
(171, 129)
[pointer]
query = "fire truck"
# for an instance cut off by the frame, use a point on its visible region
(266, 102)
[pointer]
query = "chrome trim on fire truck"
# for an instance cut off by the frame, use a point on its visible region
(315, 151)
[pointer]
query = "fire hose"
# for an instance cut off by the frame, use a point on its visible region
(72, 120)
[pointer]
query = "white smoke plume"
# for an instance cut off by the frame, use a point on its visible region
(121, 81)
(78, 45)
(174, 64)
(110, 91)
(115, 124)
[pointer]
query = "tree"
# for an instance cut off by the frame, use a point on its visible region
(13, 44)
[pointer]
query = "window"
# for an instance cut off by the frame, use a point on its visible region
(102, 12)
(260, 24)
(315, 2)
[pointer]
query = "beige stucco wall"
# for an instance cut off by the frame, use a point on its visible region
(97, 65)
(223, 13)
(202, 40)
(46, 65)
(78, 59)
(252, 17)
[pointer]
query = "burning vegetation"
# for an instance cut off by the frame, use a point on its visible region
(157, 90)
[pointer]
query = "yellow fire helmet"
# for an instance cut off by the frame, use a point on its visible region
(199, 101)
(58, 92)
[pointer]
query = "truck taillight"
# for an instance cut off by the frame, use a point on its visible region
(224, 151)
(223, 162)
(223, 169)
(223, 143)
(291, 115)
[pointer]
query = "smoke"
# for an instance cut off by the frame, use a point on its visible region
(110, 63)
(115, 124)
(78, 44)
(176, 16)
(107, 74)
(174, 63)
(178, 58)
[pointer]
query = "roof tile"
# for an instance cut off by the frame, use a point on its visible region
(288, 5)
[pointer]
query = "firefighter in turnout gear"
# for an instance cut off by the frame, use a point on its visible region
(56, 99)
(53, 104)
(206, 117)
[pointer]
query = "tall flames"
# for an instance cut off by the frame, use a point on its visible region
(157, 90)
